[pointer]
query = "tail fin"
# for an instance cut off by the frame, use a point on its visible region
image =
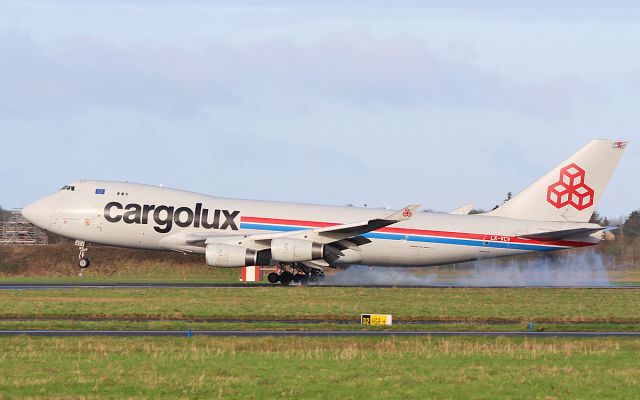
(570, 191)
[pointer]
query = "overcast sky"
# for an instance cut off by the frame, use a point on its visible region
(380, 102)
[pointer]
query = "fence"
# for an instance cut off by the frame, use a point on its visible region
(17, 230)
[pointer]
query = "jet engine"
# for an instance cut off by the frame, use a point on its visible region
(296, 250)
(230, 256)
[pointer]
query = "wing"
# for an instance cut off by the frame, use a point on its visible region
(340, 237)
(337, 233)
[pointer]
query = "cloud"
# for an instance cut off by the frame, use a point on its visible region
(350, 67)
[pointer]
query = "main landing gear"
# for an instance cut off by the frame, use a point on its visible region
(295, 272)
(83, 261)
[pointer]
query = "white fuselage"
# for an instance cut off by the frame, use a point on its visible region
(150, 217)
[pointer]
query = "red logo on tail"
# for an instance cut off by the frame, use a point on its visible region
(407, 213)
(571, 189)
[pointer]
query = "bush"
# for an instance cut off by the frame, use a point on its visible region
(9, 269)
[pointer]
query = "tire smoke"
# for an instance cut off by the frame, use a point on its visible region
(581, 268)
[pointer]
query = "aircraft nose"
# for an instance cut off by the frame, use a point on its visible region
(40, 212)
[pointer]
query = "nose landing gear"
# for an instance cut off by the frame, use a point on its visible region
(83, 262)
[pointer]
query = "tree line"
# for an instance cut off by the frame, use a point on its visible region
(4, 214)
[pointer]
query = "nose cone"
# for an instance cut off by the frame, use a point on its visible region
(41, 212)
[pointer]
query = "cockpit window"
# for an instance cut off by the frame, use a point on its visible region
(67, 187)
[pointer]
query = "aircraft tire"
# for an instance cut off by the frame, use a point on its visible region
(286, 278)
(273, 277)
(84, 263)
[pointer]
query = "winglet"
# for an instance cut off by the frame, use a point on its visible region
(403, 214)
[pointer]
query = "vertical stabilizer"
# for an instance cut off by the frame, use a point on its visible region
(570, 191)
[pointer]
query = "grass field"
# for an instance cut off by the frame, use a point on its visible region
(426, 309)
(447, 304)
(320, 368)
(323, 368)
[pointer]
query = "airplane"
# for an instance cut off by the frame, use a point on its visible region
(302, 240)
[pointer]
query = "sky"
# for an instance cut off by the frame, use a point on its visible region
(384, 103)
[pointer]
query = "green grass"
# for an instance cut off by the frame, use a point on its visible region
(454, 305)
(318, 368)
(58, 263)
(148, 272)
(323, 368)
(57, 324)
(90, 279)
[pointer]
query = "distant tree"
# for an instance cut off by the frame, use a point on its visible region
(477, 211)
(4, 214)
(596, 218)
(509, 197)
(631, 226)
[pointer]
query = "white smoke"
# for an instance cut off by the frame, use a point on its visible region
(379, 276)
(584, 268)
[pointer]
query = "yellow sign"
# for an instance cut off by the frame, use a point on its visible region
(375, 319)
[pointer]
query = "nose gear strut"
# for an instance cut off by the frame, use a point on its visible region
(83, 262)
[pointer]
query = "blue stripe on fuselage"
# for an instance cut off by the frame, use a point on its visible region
(415, 238)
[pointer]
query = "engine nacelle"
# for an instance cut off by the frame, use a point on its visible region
(230, 256)
(296, 250)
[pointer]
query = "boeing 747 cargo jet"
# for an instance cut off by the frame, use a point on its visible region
(302, 240)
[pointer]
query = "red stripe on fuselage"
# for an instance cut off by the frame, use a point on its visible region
(278, 221)
(421, 232)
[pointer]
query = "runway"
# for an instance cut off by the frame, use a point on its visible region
(318, 333)
(135, 285)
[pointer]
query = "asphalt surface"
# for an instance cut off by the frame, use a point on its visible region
(126, 285)
(239, 333)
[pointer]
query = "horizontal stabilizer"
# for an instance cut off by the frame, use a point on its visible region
(464, 210)
(563, 234)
